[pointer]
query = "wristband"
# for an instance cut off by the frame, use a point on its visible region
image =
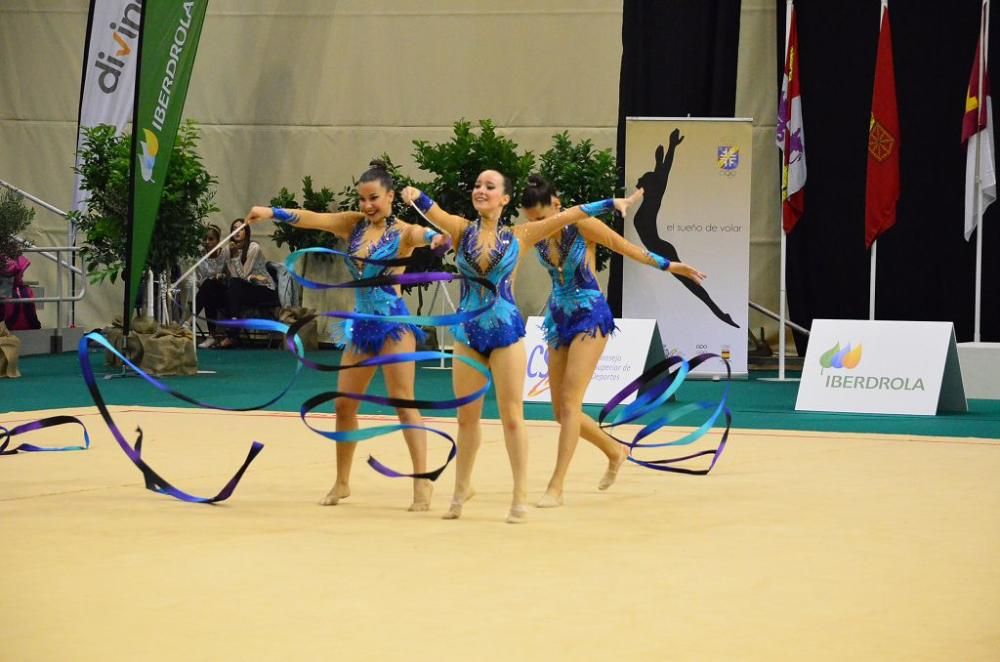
(429, 234)
(662, 263)
(284, 216)
(423, 203)
(597, 208)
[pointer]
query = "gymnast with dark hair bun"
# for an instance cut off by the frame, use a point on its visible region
(372, 232)
(485, 248)
(577, 324)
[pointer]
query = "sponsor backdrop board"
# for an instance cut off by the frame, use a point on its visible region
(881, 367)
(629, 351)
(696, 174)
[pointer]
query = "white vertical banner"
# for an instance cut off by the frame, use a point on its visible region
(696, 209)
(107, 89)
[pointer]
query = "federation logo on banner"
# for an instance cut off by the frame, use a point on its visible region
(728, 158)
(835, 357)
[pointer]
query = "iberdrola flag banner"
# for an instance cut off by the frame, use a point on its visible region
(167, 49)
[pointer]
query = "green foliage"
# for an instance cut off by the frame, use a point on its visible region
(318, 201)
(187, 200)
(456, 164)
(14, 218)
(582, 174)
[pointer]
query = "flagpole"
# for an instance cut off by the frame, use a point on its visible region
(782, 290)
(984, 36)
(872, 277)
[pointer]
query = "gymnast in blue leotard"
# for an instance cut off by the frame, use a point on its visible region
(487, 249)
(372, 232)
(577, 324)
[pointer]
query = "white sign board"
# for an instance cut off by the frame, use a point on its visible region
(624, 359)
(881, 367)
(696, 175)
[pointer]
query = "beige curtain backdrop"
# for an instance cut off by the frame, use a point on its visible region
(318, 87)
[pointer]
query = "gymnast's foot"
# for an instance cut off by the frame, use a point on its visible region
(551, 499)
(518, 514)
(422, 491)
(609, 477)
(337, 492)
(455, 510)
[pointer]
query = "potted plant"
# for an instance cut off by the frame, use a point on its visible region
(15, 216)
(187, 200)
(580, 174)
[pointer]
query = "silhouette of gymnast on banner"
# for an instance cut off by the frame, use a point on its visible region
(655, 186)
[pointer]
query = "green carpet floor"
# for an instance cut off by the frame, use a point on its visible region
(246, 376)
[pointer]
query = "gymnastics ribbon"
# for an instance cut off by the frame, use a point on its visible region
(52, 421)
(656, 385)
(352, 436)
(154, 481)
(157, 483)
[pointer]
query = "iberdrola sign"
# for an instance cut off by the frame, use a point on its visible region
(168, 45)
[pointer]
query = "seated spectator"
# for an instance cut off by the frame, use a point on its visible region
(212, 279)
(249, 285)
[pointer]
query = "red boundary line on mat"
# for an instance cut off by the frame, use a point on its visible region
(894, 438)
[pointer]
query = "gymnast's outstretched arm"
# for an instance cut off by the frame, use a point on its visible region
(450, 224)
(532, 233)
(595, 231)
(338, 223)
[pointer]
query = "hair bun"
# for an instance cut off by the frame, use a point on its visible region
(536, 181)
(378, 164)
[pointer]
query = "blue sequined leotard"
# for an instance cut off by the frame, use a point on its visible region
(576, 304)
(501, 325)
(368, 336)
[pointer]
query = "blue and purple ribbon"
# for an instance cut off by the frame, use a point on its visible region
(656, 385)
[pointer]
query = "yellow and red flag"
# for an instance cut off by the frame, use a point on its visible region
(882, 188)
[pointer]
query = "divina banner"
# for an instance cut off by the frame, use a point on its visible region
(696, 209)
(167, 50)
(107, 87)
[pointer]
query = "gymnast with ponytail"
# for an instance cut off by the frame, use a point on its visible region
(372, 232)
(577, 324)
(488, 248)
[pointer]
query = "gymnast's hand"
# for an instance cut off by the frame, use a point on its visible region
(257, 215)
(623, 204)
(686, 270)
(409, 194)
(440, 244)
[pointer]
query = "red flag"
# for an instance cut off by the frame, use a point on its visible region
(882, 190)
(790, 135)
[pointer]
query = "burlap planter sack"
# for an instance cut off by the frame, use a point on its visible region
(169, 351)
(10, 349)
(308, 334)
(159, 351)
(142, 329)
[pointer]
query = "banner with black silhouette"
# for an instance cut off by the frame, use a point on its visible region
(107, 87)
(696, 209)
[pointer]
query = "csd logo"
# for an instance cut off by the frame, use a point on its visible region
(538, 369)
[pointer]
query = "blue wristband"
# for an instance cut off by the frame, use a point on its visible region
(429, 234)
(424, 202)
(283, 215)
(598, 208)
(662, 263)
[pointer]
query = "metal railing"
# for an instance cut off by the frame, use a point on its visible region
(66, 270)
